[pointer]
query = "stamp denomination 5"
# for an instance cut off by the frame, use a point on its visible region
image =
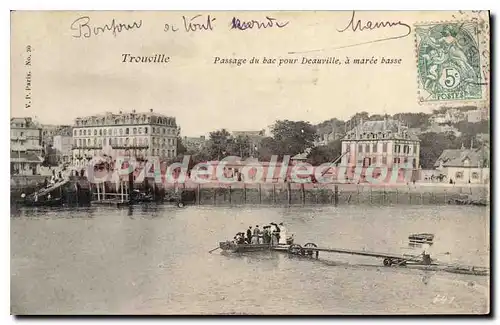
(449, 62)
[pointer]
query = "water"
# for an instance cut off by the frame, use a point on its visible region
(154, 260)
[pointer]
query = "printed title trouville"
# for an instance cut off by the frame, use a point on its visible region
(156, 58)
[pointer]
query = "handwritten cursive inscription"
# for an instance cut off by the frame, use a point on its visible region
(82, 27)
(244, 25)
(356, 25)
(195, 24)
(373, 25)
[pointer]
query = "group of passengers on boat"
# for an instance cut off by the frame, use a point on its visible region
(272, 234)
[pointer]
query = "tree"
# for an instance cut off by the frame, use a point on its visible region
(181, 149)
(414, 120)
(268, 147)
(220, 143)
(241, 147)
(432, 146)
(293, 137)
(325, 154)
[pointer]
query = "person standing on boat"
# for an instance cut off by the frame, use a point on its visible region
(261, 236)
(283, 234)
(267, 235)
(249, 234)
(275, 234)
(255, 237)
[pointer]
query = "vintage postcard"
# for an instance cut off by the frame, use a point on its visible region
(250, 162)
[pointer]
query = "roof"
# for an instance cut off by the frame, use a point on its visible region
(258, 133)
(391, 128)
(457, 157)
(24, 157)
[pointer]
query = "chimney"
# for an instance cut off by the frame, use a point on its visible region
(151, 110)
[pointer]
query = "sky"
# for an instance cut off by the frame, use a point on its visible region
(78, 76)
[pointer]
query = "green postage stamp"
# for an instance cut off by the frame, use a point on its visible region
(449, 62)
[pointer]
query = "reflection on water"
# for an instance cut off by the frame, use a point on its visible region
(154, 259)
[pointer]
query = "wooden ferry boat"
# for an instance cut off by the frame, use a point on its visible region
(420, 262)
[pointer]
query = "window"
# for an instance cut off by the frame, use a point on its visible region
(367, 148)
(84, 132)
(414, 163)
(109, 141)
(74, 132)
(134, 130)
(360, 148)
(406, 149)
(104, 132)
(414, 149)
(109, 132)
(475, 175)
(375, 145)
(79, 142)
(140, 130)
(384, 147)
(126, 131)
(459, 175)
(397, 160)
(384, 160)
(397, 148)
(100, 132)
(146, 130)
(406, 159)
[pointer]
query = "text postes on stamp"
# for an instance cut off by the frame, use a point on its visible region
(449, 62)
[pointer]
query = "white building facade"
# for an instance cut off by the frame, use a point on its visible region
(465, 166)
(135, 134)
(385, 143)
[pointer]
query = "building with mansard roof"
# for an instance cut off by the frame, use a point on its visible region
(385, 143)
(131, 133)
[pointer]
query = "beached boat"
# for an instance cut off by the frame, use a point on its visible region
(417, 240)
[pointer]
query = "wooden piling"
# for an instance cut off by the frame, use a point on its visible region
(336, 195)
(230, 194)
(244, 193)
(198, 194)
(303, 194)
(288, 192)
(260, 193)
